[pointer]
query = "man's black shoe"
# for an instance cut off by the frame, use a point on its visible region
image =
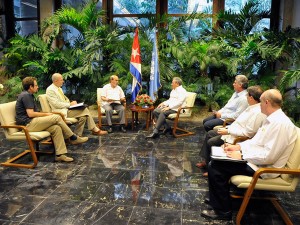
(212, 214)
(167, 130)
(207, 201)
(123, 129)
(153, 135)
(110, 130)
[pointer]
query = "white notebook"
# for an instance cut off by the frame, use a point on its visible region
(218, 153)
(77, 105)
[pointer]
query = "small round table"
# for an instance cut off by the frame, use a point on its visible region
(135, 110)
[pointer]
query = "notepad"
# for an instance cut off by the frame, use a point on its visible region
(81, 104)
(218, 153)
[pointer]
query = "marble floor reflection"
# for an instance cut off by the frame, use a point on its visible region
(120, 179)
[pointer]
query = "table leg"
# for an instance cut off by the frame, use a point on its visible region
(132, 120)
(147, 120)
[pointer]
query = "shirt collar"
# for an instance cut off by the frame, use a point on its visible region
(274, 115)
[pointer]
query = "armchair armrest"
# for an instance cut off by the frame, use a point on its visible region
(260, 171)
(26, 132)
(182, 108)
(227, 121)
(240, 139)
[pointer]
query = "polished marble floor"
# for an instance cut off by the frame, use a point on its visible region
(120, 179)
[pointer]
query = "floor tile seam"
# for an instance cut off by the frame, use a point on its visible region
(96, 222)
(131, 214)
(45, 198)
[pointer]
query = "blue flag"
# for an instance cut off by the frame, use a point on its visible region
(135, 66)
(154, 74)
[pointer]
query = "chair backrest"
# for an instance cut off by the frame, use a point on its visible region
(44, 103)
(99, 92)
(8, 117)
(190, 102)
(293, 161)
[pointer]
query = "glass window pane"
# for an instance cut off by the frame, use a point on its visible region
(134, 6)
(25, 8)
(192, 29)
(189, 6)
(78, 3)
(236, 5)
(132, 21)
(25, 28)
(261, 25)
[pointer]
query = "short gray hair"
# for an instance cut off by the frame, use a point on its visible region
(177, 80)
(242, 80)
(55, 76)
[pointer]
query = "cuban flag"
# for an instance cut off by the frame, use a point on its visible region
(154, 73)
(135, 66)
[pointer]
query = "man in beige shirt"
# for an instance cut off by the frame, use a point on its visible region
(60, 103)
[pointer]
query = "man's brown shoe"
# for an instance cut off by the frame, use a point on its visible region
(63, 158)
(99, 132)
(79, 140)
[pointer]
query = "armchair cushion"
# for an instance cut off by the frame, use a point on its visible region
(47, 108)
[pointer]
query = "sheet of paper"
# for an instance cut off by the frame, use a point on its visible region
(77, 105)
(218, 153)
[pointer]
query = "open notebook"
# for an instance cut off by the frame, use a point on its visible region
(78, 105)
(218, 153)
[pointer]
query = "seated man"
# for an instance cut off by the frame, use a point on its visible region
(112, 96)
(245, 125)
(176, 100)
(60, 103)
(270, 147)
(234, 107)
(28, 115)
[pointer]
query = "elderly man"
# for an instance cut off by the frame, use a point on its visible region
(270, 147)
(234, 107)
(28, 115)
(245, 125)
(176, 100)
(60, 103)
(112, 96)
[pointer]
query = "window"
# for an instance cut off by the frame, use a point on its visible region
(189, 6)
(26, 13)
(264, 5)
(134, 7)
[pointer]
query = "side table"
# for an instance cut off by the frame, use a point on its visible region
(135, 110)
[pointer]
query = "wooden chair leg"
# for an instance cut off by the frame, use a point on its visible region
(246, 198)
(183, 131)
(281, 211)
(11, 162)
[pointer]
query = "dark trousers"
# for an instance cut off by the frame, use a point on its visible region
(212, 138)
(161, 116)
(210, 122)
(219, 173)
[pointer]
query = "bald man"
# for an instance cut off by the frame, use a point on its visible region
(270, 147)
(60, 103)
(112, 97)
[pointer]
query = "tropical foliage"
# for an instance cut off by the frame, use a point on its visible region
(207, 62)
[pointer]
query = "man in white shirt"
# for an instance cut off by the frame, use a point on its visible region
(234, 107)
(60, 103)
(270, 147)
(245, 125)
(176, 100)
(112, 97)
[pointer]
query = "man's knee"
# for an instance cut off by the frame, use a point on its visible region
(56, 117)
(212, 133)
(82, 118)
